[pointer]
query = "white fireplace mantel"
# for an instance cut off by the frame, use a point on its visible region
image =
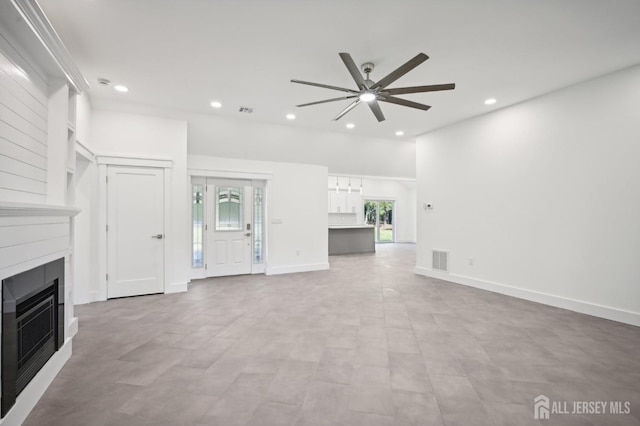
(27, 209)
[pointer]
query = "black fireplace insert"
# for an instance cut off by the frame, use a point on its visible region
(32, 326)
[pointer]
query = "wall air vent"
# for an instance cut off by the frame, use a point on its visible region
(247, 110)
(440, 260)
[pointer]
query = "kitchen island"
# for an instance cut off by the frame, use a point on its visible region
(351, 239)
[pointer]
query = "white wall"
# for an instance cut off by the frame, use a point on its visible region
(83, 119)
(249, 139)
(544, 196)
(296, 194)
(133, 135)
(402, 191)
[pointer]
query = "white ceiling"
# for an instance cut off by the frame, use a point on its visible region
(182, 54)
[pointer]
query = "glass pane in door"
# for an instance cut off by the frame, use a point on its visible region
(258, 231)
(385, 221)
(228, 208)
(197, 218)
(370, 216)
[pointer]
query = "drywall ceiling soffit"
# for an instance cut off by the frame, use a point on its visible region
(182, 55)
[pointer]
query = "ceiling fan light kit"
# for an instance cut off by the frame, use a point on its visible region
(371, 92)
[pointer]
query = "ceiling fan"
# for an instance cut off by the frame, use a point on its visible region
(371, 92)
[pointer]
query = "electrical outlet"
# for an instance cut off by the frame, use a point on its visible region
(298, 252)
(471, 261)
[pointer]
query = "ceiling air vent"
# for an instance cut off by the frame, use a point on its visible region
(246, 110)
(440, 260)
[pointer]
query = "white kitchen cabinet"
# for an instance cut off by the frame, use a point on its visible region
(354, 202)
(337, 202)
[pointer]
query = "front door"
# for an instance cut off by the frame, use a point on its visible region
(135, 231)
(228, 228)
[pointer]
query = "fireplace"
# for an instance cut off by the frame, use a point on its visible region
(32, 326)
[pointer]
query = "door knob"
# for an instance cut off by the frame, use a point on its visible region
(248, 234)
(159, 236)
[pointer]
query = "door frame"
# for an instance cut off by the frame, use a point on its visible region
(103, 162)
(199, 176)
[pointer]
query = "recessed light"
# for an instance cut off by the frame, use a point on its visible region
(291, 116)
(121, 88)
(399, 133)
(216, 104)
(350, 126)
(490, 101)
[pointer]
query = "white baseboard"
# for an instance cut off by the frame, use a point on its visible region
(73, 328)
(176, 288)
(31, 394)
(276, 270)
(583, 307)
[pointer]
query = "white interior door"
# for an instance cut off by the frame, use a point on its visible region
(135, 235)
(229, 218)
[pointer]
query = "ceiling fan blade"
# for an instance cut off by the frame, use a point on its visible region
(325, 86)
(328, 100)
(404, 102)
(375, 109)
(353, 70)
(420, 89)
(351, 106)
(400, 71)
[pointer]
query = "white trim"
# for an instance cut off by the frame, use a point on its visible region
(167, 242)
(101, 293)
(258, 268)
(42, 28)
(176, 288)
(229, 174)
(27, 209)
(73, 327)
(583, 307)
(277, 270)
(346, 175)
(32, 393)
(116, 160)
(84, 152)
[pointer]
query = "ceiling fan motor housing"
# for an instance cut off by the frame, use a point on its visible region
(367, 67)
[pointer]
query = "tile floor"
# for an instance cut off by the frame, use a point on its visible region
(366, 343)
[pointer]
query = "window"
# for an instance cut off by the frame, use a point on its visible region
(197, 219)
(258, 228)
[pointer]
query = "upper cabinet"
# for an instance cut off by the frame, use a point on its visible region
(337, 202)
(354, 202)
(343, 202)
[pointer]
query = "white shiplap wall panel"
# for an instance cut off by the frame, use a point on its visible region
(23, 130)
(22, 73)
(12, 88)
(22, 124)
(16, 235)
(19, 183)
(28, 241)
(19, 168)
(13, 135)
(21, 154)
(23, 110)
